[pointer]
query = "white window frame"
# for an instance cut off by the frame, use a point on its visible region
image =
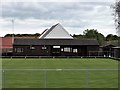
(32, 47)
(56, 46)
(75, 50)
(44, 47)
(67, 49)
(19, 50)
(62, 49)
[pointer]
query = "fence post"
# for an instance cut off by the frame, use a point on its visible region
(89, 53)
(86, 78)
(45, 80)
(3, 81)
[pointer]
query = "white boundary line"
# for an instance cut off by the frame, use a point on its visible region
(59, 69)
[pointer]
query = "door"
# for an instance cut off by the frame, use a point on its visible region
(82, 51)
(56, 51)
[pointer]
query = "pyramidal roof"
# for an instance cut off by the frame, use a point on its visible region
(56, 32)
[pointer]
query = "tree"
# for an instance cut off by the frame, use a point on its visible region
(100, 38)
(117, 15)
(36, 35)
(90, 33)
(93, 34)
(115, 37)
(111, 37)
(8, 35)
(117, 18)
(80, 36)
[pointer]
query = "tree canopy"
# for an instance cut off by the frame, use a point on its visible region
(23, 35)
(111, 37)
(94, 34)
(87, 34)
(91, 34)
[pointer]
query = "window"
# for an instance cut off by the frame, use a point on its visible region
(32, 47)
(44, 47)
(19, 50)
(56, 46)
(67, 49)
(62, 49)
(75, 50)
(15, 49)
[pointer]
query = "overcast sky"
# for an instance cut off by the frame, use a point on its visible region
(75, 17)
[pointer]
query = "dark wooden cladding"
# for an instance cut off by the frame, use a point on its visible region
(50, 51)
(116, 51)
(54, 47)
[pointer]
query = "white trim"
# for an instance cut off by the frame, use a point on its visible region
(59, 69)
(56, 46)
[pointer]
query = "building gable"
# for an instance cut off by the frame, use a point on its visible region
(6, 42)
(56, 32)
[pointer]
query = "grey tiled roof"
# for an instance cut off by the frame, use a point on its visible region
(49, 31)
(54, 42)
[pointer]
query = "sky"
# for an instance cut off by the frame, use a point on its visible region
(34, 16)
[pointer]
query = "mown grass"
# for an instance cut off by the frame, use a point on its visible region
(60, 78)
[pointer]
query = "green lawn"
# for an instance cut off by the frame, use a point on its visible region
(60, 73)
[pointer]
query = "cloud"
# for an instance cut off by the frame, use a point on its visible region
(76, 16)
(48, 10)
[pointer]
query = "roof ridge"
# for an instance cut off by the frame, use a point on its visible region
(55, 27)
(49, 30)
